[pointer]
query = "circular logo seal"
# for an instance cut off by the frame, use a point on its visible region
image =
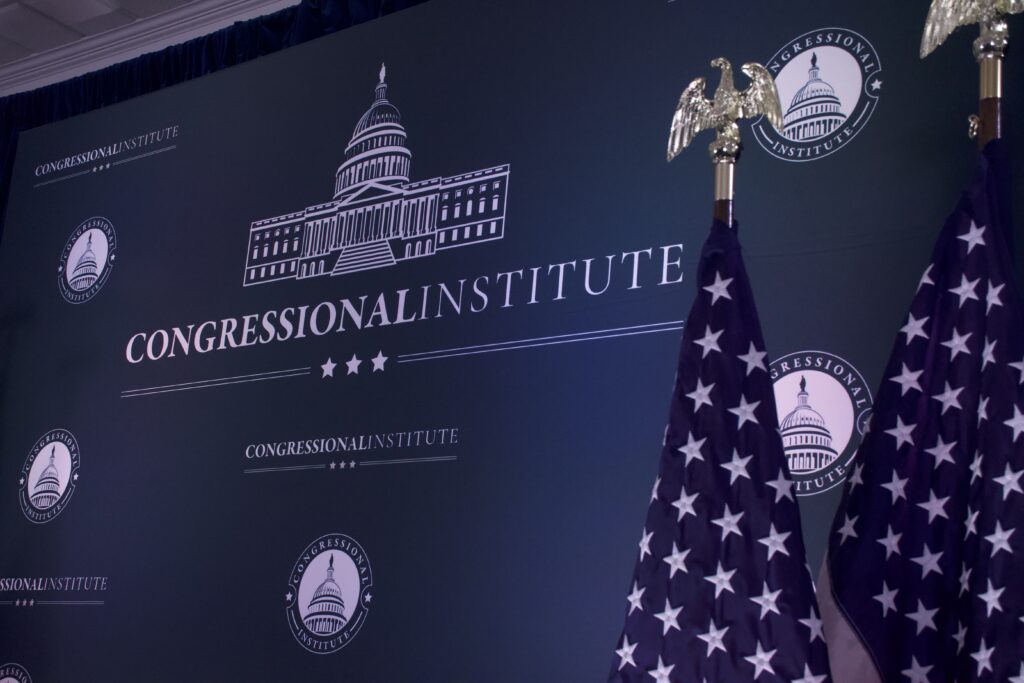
(14, 673)
(87, 259)
(824, 406)
(329, 593)
(49, 476)
(829, 82)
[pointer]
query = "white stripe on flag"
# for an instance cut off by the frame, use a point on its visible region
(848, 657)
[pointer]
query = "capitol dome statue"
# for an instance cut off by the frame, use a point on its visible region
(326, 613)
(377, 152)
(805, 438)
(46, 492)
(815, 110)
(86, 270)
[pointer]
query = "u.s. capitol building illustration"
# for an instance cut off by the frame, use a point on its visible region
(377, 216)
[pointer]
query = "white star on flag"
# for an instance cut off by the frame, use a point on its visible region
(677, 560)
(902, 432)
(744, 412)
(973, 237)
(907, 380)
(709, 342)
(754, 359)
(719, 289)
(775, 541)
(992, 297)
(692, 448)
(625, 653)
(721, 579)
(737, 467)
(767, 601)
(965, 291)
(915, 328)
(957, 343)
(669, 618)
(762, 661)
(701, 396)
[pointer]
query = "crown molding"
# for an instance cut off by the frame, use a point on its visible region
(150, 34)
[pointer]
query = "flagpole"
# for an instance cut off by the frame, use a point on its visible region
(989, 50)
(724, 157)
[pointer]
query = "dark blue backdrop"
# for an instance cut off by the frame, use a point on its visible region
(510, 559)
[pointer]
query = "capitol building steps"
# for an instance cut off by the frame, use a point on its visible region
(364, 256)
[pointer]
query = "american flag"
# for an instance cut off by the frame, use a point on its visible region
(925, 562)
(721, 590)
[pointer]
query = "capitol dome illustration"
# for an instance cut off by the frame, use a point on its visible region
(805, 437)
(86, 270)
(815, 110)
(377, 152)
(326, 614)
(46, 491)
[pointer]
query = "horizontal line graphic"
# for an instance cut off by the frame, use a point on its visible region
(511, 345)
(69, 602)
(144, 155)
(258, 470)
(406, 461)
(66, 177)
(216, 382)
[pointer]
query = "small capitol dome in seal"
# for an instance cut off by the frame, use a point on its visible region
(326, 613)
(377, 152)
(805, 438)
(815, 110)
(86, 270)
(46, 492)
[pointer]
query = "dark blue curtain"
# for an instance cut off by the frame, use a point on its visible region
(239, 43)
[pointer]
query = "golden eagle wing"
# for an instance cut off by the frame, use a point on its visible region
(693, 114)
(761, 96)
(944, 17)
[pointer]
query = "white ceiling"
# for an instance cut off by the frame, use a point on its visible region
(46, 41)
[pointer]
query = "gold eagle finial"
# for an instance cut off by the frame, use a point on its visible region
(696, 113)
(945, 16)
